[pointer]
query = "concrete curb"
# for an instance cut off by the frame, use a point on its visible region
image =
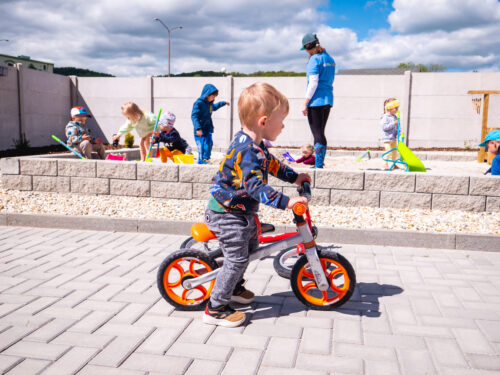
(378, 237)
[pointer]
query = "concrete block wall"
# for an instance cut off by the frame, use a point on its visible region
(173, 181)
(436, 109)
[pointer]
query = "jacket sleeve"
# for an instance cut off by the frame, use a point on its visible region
(219, 105)
(72, 135)
(281, 171)
(251, 169)
(300, 160)
(125, 128)
(195, 116)
(387, 123)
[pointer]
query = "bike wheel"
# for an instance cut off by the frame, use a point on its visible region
(340, 275)
(177, 267)
(285, 260)
(212, 247)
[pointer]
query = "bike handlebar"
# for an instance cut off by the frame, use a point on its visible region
(305, 189)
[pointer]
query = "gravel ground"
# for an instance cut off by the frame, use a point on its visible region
(171, 209)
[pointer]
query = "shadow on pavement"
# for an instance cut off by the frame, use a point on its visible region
(364, 302)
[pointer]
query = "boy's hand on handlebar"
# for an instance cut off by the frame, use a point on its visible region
(295, 200)
(303, 177)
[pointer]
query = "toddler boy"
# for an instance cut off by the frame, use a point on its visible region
(201, 116)
(238, 187)
(78, 135)
(169, 135)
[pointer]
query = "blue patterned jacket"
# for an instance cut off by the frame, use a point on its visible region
(242, 180)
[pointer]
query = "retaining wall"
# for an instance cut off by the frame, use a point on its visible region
(435, 107)
(344, 188)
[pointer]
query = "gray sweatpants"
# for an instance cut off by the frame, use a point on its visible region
(237, 234)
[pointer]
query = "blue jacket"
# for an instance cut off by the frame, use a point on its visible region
(172, 140)
(242, 180)
(201, 115)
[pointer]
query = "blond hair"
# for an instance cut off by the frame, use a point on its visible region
(260, 99)
(132, 109)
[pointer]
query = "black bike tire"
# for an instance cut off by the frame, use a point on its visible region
(188, 243)
(278, 263)
(182, 253)
(329, 255)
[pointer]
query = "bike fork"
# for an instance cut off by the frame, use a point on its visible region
(312, 257)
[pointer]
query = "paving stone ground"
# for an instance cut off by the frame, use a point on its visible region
(83, 302)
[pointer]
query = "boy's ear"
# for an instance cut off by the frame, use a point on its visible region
(262, 121)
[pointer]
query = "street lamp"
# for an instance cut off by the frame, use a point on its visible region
(4, 40)
(169, 30)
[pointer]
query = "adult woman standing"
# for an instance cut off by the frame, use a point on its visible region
(319, 93)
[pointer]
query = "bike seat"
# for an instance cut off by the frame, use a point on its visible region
(201, 233)
(266, 228)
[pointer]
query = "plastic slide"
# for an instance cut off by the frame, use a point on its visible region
(414, 163)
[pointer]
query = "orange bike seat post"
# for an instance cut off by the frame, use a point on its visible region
(201, 233)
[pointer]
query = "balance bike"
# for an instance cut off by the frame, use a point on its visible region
(320, 279)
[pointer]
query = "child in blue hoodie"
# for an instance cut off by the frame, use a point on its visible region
(201, 116)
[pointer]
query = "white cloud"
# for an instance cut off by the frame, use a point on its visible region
(414, 16)
(121, 38)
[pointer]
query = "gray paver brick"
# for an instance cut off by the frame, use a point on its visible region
(164, 364)
(281, 352)
(102, 370)
(364, 351)
(117, 351)
(446, 352)
(197, 332)
(83, 340)
(347, 331)
(50, 330)
(316, 341)
(200, 351)
(71, 361)
(29, 366)
(37, 350)
(160, 340)
(203, 367)
(7, 362)
(243, 361)
(288, 371)
(330, 363)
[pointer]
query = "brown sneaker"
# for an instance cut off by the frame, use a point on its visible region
(224, 316)
(242, 295)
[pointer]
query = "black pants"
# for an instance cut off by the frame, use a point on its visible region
(317, 117)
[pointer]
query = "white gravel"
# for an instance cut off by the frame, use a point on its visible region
(172, 209)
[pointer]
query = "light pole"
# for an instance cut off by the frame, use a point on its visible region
(169, 30)
(4, 40)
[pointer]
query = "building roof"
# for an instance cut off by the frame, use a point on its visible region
(25, 58)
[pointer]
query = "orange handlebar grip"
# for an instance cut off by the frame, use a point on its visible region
(299, 208)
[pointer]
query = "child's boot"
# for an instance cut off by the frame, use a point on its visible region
(320, 151)
(242, 295)
(224, 316)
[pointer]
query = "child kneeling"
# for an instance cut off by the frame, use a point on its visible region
(169, 135)
(238, 187)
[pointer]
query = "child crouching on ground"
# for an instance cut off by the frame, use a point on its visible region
(492, 144)
(142, 122)
(78, 135)
(307, 155)
(238, 187)
(389, 123)
(169, 135)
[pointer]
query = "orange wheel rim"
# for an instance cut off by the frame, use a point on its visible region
(338, 280)
(180, 268)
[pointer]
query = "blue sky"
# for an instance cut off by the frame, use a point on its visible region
(364, 17)
(121, 38)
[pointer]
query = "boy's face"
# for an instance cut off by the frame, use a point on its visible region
(274, 125)
(493, 146)
(166, 128)
(393, 111)
(305, 151)
(211, 97)
(81, 119)
(131, 117)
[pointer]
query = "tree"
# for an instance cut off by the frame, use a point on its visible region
(422, 67)
(71, 71)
